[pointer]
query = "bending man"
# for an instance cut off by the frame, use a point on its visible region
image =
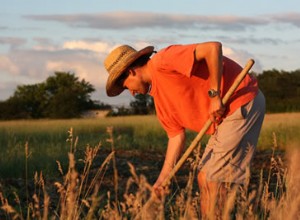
(187, 83)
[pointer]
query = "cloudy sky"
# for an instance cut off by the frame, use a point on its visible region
(39, 37)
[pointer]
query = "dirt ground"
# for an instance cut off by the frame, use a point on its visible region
(147, 163)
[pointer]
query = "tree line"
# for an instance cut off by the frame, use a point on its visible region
(281, 89)
(63, 95)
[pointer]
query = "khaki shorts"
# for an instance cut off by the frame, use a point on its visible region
(230, 149)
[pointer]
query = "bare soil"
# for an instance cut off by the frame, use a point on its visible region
(147, 163)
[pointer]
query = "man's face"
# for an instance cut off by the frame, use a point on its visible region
(135, 84)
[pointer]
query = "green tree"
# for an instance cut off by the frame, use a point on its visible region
(142, 104)
(12, 109)
(281, 89)
(60, 96)
(26, 102)
(66, 96)
(30, 98)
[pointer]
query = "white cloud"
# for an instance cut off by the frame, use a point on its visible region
(140, 45)
(31, 66)
(7, 65)
(13, 42)
(84, 69)
(292, 18)
(101, 47)
(242, 57)
(127, 20)
(227, 51)
(44, 48)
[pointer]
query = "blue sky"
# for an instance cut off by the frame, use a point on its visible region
(38, 37)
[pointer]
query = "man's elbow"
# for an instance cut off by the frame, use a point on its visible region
(216, 46)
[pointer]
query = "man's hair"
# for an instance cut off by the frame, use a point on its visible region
(140, 61)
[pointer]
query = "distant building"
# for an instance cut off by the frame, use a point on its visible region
(95, 114)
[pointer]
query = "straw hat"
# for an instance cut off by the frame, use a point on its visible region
(117, 62)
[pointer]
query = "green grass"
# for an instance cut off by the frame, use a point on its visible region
(286, 128)
(47, 138)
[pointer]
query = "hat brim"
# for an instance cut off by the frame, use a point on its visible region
(112, 86)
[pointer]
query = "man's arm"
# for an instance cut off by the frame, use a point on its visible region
(211, 52)
(174, 150)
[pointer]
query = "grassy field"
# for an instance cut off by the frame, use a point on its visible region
(32, 147)
(47, 139)
(286, 128)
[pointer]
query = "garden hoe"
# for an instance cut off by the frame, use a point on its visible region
(150, 209)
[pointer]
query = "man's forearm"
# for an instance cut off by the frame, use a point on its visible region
(174, 150)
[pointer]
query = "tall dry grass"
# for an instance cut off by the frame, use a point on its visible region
(79, 194)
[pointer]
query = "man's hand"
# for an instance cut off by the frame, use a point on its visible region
(159, 191)
(216, 109)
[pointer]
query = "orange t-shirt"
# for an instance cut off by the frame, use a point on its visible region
(180, 85)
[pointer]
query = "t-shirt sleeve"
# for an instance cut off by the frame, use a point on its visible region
(178, 58)
(172, 129)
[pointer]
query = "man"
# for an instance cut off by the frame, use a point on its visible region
(187, 83)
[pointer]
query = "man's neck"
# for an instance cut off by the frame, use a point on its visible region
(146, 73)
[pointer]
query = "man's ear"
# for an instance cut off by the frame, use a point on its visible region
(131, 72)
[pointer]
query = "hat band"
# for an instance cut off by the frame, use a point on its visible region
(117, 60)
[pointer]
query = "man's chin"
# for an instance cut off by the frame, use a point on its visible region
(144, 92)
